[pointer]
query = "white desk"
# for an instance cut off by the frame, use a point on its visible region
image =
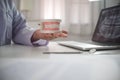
(30, 63)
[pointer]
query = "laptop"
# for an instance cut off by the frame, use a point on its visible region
(106, 34)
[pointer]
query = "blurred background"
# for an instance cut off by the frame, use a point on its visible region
(79, 17)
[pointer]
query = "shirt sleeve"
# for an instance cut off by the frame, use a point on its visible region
(24, 37)
(22, 33)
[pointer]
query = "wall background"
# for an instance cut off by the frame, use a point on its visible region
(78, 16)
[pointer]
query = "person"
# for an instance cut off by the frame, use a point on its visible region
(13, 27)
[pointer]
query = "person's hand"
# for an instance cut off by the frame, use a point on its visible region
(48, 36)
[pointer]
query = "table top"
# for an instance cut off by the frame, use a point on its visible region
(52, 48)
(19, 62)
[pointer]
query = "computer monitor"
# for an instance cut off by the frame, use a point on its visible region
(108, 26)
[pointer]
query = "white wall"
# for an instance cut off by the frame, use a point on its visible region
(96, 8)
(110, 3)
(82, 29)
(95, 11)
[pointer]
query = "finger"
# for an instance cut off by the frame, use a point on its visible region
(63, 35)
(52, 36)
(63, 31)
(60, 34)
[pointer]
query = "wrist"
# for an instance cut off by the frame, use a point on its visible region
(36, 36)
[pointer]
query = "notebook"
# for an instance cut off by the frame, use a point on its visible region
(106, 34)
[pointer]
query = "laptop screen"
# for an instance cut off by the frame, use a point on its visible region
(108, 26)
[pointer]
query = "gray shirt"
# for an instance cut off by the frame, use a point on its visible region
(13, 26)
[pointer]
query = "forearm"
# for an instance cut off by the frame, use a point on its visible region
(23, 36)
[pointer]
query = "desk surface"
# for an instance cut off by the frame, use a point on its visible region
(30, 63)
(16, 50)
